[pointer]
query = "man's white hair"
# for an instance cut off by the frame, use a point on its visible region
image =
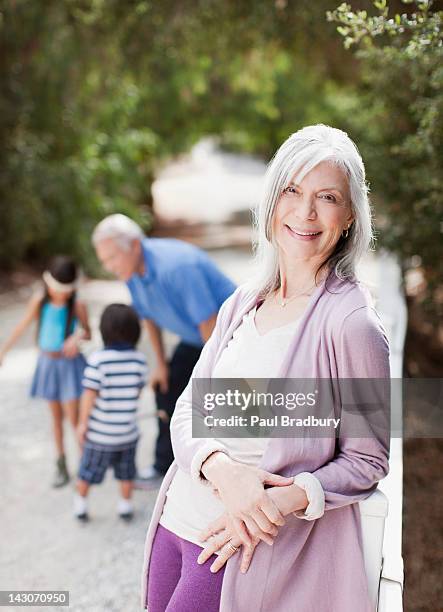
(297, 156)
(119, 228)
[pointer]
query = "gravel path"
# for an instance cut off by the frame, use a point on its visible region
(43, 547)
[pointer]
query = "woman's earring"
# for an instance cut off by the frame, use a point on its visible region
(345, 234)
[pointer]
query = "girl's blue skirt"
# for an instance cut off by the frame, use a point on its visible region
(58, 378)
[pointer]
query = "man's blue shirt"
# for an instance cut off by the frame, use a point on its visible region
(180, 288)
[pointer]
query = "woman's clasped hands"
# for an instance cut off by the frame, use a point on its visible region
(251, 511)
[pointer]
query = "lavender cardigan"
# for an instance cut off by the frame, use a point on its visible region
(318, 565)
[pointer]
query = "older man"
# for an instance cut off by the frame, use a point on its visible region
(174, 286)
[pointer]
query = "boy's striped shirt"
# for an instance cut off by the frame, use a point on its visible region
(118, 377)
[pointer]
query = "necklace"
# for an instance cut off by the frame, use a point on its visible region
(285, 301)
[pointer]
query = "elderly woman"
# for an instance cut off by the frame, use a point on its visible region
(273, 525)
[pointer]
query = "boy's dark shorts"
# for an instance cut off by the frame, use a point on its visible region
(95, 462)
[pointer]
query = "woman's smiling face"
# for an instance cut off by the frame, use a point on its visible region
(310, 217)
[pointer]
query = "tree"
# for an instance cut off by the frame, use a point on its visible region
(400, 126)
(94, 96)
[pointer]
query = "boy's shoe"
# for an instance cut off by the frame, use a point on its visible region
(61, 477)
(83, 518)
(125, 509)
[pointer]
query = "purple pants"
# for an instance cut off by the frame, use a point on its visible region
(176, 582)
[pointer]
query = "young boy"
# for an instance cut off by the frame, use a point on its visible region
(107, 428)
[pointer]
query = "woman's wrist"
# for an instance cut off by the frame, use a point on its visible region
(215, 467)
(289, 499)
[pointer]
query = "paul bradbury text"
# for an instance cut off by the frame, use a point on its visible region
(278, 420)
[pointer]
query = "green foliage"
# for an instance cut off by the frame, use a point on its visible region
(95, 94)
(71, 152)
(400, 126)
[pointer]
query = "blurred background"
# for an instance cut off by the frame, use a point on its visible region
(168, 112)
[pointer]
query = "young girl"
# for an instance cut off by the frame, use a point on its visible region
(60, 365)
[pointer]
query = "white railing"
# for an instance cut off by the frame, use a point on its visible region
(382, 512)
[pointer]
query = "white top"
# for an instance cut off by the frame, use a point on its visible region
(190, 506)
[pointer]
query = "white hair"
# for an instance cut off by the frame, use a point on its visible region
(119, 228)
(298, 155)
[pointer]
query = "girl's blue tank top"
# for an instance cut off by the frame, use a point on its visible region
(52, 327)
